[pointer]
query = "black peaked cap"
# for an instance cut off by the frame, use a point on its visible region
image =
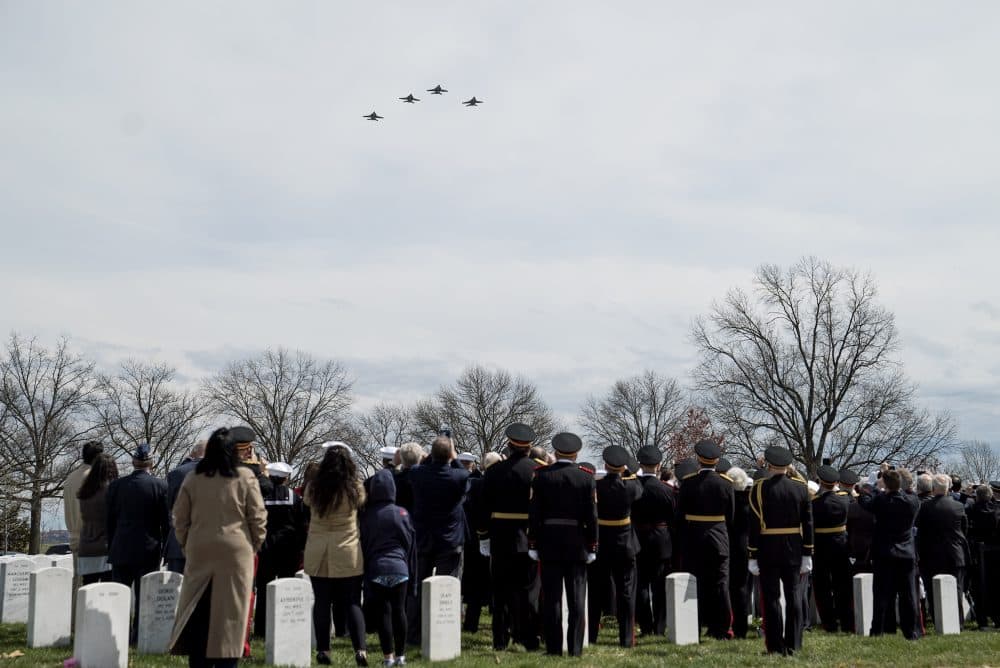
(566, 443)
(520, 432)
(708, 449)
(649, 455)
(241, 435)
(849, 477)
(615, 455)
(723, 465)
(778, 456)
(828, 474)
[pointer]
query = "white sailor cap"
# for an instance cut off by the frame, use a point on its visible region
(279, 469)
(813, 486)
(388, 452)
(466, 457)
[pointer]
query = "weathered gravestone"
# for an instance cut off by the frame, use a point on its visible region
(157, 609)
(864, 603)
(64, 561)
(947, 620)
(289, 618)
(565, 620)
(441, 618)
(15, 585)
(102, 619)
(50, 603)
(682, 609)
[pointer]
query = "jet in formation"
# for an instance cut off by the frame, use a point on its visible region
(409, 99)
(472, 102)
(373, 117)
(437, 90)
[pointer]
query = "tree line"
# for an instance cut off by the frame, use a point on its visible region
(805, 357)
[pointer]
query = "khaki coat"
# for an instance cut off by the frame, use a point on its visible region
(333, 546)
(220, 524)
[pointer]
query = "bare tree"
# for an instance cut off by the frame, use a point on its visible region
(808, 361)
(638, 411)
(291, 400)
(140, 404)
(480, 405)
(385, 425)
(977, 462)
(45, 397)
(696, 426)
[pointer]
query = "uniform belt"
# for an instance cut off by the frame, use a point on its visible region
(783, 531)
(705, 518)
(561, 522)
(841, 529)
(624, 522)
(509, 516)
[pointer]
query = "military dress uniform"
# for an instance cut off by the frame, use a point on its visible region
(984, 576)
(503, 535)
(563, 536)
(705, 506)
(652, 517)
(616, 493)
(832, 579)
(781, 546)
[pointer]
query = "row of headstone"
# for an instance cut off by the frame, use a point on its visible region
(947, 618)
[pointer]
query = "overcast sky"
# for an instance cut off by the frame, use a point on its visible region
(193, 182)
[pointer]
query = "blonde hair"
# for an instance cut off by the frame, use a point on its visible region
(740, 478)
(490, 459)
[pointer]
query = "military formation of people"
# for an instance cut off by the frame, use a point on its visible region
(529, 531)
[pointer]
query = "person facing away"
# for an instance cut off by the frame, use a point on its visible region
(71, 506)
(894, 555)
(832, 579)
(220, 523)
(739, 550)
(942, 548)
(653, 516)
(138, 524)
(92, 547)
(389, 549)
(984, 539)
(333, 559)
(173, 554)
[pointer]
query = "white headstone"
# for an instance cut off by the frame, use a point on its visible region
(102, 619)
(441, 618)
(15, 586)
(63, 561)
(50, 607)
(41, 560)
(289, 618)
(864, 603)
(565, 620)
(947, 620)
(157, 609)
(682, 609)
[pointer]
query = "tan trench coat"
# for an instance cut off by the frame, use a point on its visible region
(333, 546)
(220, 524)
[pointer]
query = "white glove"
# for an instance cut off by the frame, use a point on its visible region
(484, 547)
(753, 567)
(807, 565)
(533, 554)
(591, 557)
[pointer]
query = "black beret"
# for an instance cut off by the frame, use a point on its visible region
(723, 465)
(650, 455)
(521, 433)
(588, 467)
(707, 450)
(566, 443)
(778, 456)
(849, 477)
(685, 467)
(241, 435)
(828, 474)
(615, 455)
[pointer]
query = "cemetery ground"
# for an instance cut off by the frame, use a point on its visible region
(971, 648)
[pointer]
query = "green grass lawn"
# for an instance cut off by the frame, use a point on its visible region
(972, 648)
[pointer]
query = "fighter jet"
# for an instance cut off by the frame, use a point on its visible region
(373, 117)
(437, 90)
(409, 99)
(472, 102)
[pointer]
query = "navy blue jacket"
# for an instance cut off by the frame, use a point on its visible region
(438, 516)
(387, 538)
(137, 519)
(174, 480)
(895, 514)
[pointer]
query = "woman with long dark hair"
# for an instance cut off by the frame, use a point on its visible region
(333, 558)
(220, 521)
(93, 550)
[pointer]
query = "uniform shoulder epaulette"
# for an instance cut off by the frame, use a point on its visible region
(726, 477)
(540, 462)
(690, 475)
(801, 481)
(630, 477)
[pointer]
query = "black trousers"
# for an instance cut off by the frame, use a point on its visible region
(475, 585)
(515, 583)
(621, 571)
(555, 576)
(896, 577)
(781, 638)
(194, 637)
(651, 595)
(714, 608)
(984, 583)
(739, 598)
(130, 575)
(833, 588)
(344, 594)
(389, 609)
(267, 570)
(447, 562)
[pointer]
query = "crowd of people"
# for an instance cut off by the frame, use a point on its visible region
(526, 530)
